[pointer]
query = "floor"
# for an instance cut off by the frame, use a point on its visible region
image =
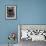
(7, 45)
(30, 43)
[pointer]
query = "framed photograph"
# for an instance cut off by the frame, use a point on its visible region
(10, 11)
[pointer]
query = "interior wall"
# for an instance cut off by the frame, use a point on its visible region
(28, 12)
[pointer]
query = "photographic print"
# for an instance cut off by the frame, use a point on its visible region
(10, 12)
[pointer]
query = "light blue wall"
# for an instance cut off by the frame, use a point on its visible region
(28, 12)
(33, 12)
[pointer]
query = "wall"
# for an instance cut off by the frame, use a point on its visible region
(33, 12)
(28, 12)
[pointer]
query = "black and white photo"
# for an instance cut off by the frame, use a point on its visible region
(11, 12)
